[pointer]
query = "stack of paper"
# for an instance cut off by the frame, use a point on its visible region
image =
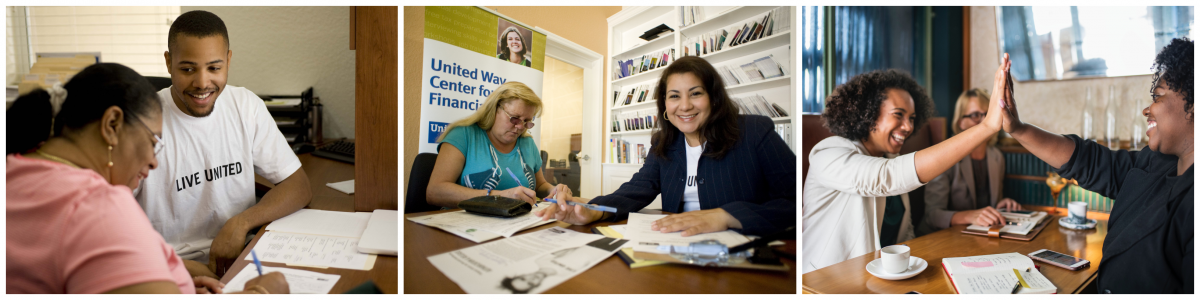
(526, 264)
(480, 228)
(646, 240)
(316, 238)
(299, 281)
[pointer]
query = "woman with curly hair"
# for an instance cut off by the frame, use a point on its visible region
(1149, 247)
(849, 204)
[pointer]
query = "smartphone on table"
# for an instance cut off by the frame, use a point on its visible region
(1060, 260)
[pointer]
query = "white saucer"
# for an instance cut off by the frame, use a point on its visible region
(1065, 224)
(915, 266)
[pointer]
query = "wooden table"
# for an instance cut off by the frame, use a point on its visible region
(851, 277)
(321, 171)
(609, 276)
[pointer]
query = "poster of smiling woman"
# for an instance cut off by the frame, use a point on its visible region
(469, 52)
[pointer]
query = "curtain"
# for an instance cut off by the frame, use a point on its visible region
(1171, 22)
(812, 57)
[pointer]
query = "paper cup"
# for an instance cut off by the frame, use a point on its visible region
(895, 258)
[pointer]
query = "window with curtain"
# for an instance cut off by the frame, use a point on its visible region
(840, 42)
(132, 36)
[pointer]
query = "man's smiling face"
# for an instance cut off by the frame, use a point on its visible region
(199, 68)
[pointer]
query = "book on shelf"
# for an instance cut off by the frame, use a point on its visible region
(785, 133)
(996, 274)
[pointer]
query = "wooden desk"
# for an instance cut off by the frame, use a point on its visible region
(851, 277)
(609, 276)
(321, 171)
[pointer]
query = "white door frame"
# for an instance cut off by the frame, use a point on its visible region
(593, 64)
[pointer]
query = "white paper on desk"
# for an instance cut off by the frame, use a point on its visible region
(526, 264)
(344, 186)
(480, 228)
(312, 251)
(299, 281)
(646, 240)
(322, 222)
(1024, 224)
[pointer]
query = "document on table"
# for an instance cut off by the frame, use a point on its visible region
(312, 251)
(646, 240)
(526, 264)
(322, 222)
(299, 281)
(344, 186)
(1024, 225)
(480, 228)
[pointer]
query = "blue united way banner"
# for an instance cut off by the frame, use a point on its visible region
(469, 52)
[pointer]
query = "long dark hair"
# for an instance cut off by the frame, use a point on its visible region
(89, 94)
(720, 131)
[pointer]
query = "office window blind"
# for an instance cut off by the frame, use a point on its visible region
(133, 36)
(16, 45)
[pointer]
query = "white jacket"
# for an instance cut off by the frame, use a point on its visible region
(845, 194)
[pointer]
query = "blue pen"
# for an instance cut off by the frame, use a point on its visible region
(514, 176)
(256, 263)
(589, 206)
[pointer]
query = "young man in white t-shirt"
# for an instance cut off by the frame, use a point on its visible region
(201, 198)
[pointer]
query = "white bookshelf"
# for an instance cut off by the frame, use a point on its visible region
(625, 27)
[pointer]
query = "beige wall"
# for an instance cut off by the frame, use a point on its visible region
(285, 50)
(562, 98)
(586, 26)
(1053, 105)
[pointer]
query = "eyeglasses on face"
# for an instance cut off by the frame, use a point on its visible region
(975, 115)
(515, 121)
(158, 143)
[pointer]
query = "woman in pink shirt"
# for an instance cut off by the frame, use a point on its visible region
(73, 226)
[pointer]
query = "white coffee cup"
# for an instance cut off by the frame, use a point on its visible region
(1077, 211)
(895, 258)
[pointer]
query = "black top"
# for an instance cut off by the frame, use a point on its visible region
(755, 182)
(983, 190)
(1149, 247)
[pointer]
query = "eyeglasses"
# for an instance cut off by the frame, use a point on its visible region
(975, 115)
(158, 143)
(517, 121)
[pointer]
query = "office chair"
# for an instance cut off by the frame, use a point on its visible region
(418, 183)
(159, 83)
(545, 161)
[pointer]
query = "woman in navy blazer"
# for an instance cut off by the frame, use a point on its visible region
(744, 175)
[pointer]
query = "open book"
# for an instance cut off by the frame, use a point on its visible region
(1024, 223)
(996, 274)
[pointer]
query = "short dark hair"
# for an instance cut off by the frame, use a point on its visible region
(1175, 64)
(853, 107)
(197, 23)
(720, 131)
(89, 93)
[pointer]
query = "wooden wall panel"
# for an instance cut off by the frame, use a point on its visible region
(375, 111)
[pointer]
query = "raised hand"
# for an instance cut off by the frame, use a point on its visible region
(1000, 88)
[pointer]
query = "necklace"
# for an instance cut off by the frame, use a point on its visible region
(56, 158)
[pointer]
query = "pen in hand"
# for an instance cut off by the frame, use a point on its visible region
(257, 264)
(518, 180)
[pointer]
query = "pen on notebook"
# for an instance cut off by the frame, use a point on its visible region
(518, 180)
(257, 264)
(589, 206)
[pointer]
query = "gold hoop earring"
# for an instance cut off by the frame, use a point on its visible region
(665, 116)
(110, 164)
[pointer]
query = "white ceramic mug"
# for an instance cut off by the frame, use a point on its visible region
(1077, 211)
(895, 258)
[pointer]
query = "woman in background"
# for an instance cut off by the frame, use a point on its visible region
(1150, 244)
(851, 203)
(967, 192)
(514, 49)
(75, 152)
(716, 169)
(476, 154)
